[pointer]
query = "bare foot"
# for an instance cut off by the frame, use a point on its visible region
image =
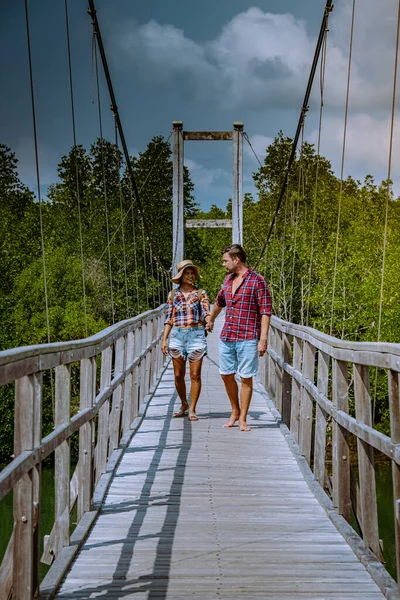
(182, 412)
(193, 416)
(232, 420)
(244, 427)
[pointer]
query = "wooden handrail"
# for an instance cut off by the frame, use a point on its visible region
(308, 375)
(131, 361)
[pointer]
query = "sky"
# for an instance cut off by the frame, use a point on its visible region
(208, 64)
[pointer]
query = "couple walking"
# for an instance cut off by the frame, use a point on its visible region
(243, 339)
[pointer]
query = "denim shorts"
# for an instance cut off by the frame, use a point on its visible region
(187, 342)
(238, 357)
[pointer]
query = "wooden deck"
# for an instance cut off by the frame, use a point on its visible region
(198, 511)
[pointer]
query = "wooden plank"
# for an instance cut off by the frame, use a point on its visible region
(394, 411)
(306, 403)
(209, 223)
(117, 398)
(104, 414)
(321, 419)
(340, 441)
(286, 379)
(296, 390)
(23, 571)
(87, 395)
(207, 136)
(366, 464)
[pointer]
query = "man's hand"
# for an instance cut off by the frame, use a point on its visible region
(262, 347)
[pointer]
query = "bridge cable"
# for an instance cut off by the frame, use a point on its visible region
(145, 268)
(389, 193)
(96, 32)
(71, 90)
(322, 88)
(296, 216)
(118, 157)
(104, 179)
(134, 248)
(328, 8)
(35, 142)
(152, 277)
(155, 163)
(342, 163)
(246, 137)
(282, 287)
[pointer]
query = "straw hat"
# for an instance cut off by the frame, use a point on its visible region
(181, 266)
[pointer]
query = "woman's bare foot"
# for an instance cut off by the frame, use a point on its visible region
(193, 416)
(244, 427)
(232, 420)
(182, 412)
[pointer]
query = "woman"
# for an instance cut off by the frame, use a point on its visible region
(188, 309)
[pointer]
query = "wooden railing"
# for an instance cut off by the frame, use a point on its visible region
(320, 386)
(128, 358)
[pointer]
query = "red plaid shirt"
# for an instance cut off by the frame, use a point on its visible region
(244, 309)
(187, 313)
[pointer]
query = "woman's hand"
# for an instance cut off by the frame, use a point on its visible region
(164, 346)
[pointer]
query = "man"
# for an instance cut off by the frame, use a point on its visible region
(244, 336)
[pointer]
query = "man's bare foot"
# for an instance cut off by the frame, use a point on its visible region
(232, 420)
(244, 427)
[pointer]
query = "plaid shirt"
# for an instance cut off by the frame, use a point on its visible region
(187, 313)
(244, 309)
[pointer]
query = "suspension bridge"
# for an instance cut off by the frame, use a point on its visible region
(157, 507)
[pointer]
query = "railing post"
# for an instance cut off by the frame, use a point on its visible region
(321, 419)
(366, 466)
(340, 442)
(286, 379)
(271, 367)
(306, 402)
(128, 408)
(37, 474)
(62, 458)
(87, 396)
(278, 372)
(117, 397)
(394, 409)
(296, 390)
(104, 414)
(23, 562)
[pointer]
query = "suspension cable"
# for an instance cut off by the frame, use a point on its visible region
(388, 197)
(135, 249)
(296, 218)
(246, 137)
(322, 89)
(145, 268)
(118, 157)
(96, 31)
(328, 8)
(78, 198)
(155, 163)
(342, 164)
(35, 142)
(104, 183)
